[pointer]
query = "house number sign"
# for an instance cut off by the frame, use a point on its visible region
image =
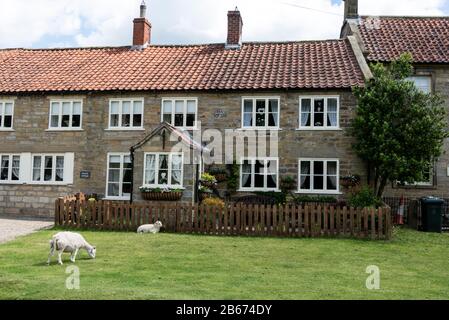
(220, 114)
(85, 175)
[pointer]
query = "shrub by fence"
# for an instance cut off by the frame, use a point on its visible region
(234, 219)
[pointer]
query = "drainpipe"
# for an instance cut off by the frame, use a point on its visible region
(131, 150)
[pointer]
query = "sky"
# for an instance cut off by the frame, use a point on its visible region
(91, 23)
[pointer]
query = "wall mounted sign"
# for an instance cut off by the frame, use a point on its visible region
(85, 174)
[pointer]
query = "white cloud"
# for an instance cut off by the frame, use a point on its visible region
(29, 23)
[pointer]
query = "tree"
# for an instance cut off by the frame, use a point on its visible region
(399, 129)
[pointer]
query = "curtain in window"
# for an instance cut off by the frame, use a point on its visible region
(305, 175)
(37, 162)
(176, 170)
(150, 169)
(305, 112)
(15, 168)
(4, 168)
(332, 112)
(246, 174)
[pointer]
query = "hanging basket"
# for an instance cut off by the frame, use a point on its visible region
(162, 196)
(221, 177)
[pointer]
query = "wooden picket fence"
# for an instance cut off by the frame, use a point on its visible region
(233, 220)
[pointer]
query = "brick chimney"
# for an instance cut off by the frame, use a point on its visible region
(235, 26)
(142, 29)
(351, 9)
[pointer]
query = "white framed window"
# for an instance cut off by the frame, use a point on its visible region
(126, 114)
(9, 168)
(52, 168)
(319, 112)
(180, 112)
(319, 176)
(259, 174)
(164, 170)
(423, 83)
(428, 180)
(260, 112)
(6, 115)
(118, 184)
(66, 115)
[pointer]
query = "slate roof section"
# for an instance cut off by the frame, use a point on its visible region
(386, 38)
(287, 65)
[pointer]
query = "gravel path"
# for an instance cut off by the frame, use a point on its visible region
(13, 228)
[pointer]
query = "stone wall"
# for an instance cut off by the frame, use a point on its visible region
(217, 110)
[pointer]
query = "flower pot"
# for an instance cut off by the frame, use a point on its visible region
(162, 196)
(204, 195)
(208, 184)
(221, 177)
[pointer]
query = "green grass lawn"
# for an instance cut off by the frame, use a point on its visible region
(167, 266)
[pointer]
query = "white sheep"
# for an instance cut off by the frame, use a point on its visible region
(69, 242)
(150, 228)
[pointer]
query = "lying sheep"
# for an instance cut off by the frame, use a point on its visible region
(69, 242)
(150, 228)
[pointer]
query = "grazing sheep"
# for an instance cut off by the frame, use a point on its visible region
(69, 242)
(150, 228)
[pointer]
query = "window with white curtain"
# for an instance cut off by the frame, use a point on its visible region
(126, 114)
(163, 170)
(65, 114)
(260, 113)
(423, 83)
(6, 114)
(319, 176)
(48, 168)
(9, 168)
(259, 174)
(119, 177)
(180, 112)
(320, 113)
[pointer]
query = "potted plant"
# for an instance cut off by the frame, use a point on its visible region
(205, 193)
(288, 183)
(220, 174)
(207, 180)
(350, 181)
(161, 194)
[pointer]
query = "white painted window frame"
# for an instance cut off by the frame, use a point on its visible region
(173, 112)
(2, 114)
(59, 127)
(253, 163)
(312, 127)
(325, 191)
(254, 99)
(122, 157)
(131, 127)
(11, 156)
(422, 76)
(53, 172)
(170, 157)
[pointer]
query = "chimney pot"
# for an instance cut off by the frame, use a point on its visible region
(142, 29)
(235, 27)
(351, 9)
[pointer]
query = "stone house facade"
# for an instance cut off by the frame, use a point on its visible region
(383, 39)
(68, 117)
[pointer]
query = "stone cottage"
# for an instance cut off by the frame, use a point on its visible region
(383, 39)
(69, 118)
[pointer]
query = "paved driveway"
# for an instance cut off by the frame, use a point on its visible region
(13, 228)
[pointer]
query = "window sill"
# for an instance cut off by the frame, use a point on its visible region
(417, 187)
(63, 130)
(14, 183)
(259, 129)
(306, 192)
(163, 187)
(43, 184)
(6, 130)
(319, 129)
(124, 129)
(117, 198)
(259, 190)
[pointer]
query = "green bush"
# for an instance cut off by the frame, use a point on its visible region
(278, 197)
(315, 199)
(364, 198)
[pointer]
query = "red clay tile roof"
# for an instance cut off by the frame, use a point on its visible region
(317, 64)
(426, 38)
